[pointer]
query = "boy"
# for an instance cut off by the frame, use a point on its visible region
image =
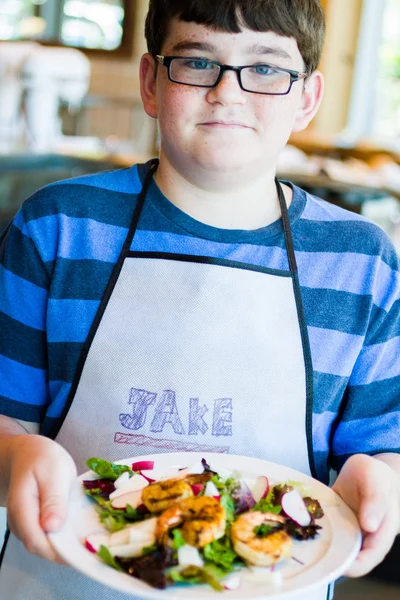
(197, 303)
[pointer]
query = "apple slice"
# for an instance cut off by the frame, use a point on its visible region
(293, 506)
(132, 550)
(134, 499)
(212, 490)
(260, 488)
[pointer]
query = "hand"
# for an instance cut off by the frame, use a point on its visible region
(41, 475)
(372, 490)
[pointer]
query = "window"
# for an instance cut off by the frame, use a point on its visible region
(375, 103)
(92, 24)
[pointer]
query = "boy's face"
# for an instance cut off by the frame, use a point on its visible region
(226, 129)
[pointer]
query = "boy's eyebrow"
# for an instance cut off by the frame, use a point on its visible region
(207, 47)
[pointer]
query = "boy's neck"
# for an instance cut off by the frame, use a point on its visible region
(224, 204)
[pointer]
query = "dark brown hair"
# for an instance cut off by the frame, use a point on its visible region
(304, 20)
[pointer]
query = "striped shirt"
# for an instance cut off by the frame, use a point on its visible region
(57, 256)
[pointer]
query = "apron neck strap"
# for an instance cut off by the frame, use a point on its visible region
(284, 211)
(287, 231)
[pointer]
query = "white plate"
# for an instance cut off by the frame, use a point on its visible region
(324, 559)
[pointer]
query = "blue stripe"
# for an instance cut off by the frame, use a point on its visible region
(156, 241)
(78, 315)
(19, 297)
(78, 238)
(377, 362)
(383, 326)
(320, 210)
(368, 435)
(23, 383)
(359, 274)
(59, 391)
(342, 354)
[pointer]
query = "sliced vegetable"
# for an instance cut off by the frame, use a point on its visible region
(293, 506)
(232, 581)
(94, 541)
(242, 498)
(133, 499)
(260, 488)
(212, 490)
(134, 484)
(143, 465)
(189, 556)
(197, 488)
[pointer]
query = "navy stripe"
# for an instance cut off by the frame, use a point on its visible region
(365, 396)
(19, 410)
(22, 343)
(328, 391)
(114, 208)
(63, 357)
(330, 309)
(87, 279)
(345, 236)
(384, 326)
(23, 268)
(337, 462)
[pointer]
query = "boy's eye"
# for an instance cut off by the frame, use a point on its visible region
(198, 64)
(263, 70)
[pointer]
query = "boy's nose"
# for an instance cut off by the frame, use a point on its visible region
(228, 90)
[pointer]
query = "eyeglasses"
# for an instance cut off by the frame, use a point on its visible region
(258, 78)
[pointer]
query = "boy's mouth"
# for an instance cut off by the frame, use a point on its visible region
(225, 124)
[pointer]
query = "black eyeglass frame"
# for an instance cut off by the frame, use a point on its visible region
(294, 75)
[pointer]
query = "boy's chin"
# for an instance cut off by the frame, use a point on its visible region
(226, 160)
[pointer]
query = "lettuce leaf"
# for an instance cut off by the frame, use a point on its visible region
(108, 558)
(107, 470)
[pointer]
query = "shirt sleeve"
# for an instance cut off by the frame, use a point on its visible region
(24, 284)
(369, 418)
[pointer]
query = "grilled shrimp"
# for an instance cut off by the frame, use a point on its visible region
(256, 548)
(202, 518)
(160, 495)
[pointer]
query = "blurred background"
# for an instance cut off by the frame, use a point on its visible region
(70, 105)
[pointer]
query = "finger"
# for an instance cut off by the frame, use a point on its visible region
(23, 519)
(53, 500)
(374, 549)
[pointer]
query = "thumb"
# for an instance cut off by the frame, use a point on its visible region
(54, 495)
(372, 509)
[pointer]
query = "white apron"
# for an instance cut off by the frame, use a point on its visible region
(186, 353)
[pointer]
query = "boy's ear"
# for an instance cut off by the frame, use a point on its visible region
(310, 100)
(148, 84)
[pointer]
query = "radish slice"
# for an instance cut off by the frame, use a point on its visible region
(231, 582)
(134, 484)
(134, 499)
(212, 490)
(146, 476)
(95, 540)
(197, 488)
(189, 556)
(260, 488)
(293, 506)
(143, 465)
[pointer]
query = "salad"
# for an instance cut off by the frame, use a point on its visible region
(198, 524)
